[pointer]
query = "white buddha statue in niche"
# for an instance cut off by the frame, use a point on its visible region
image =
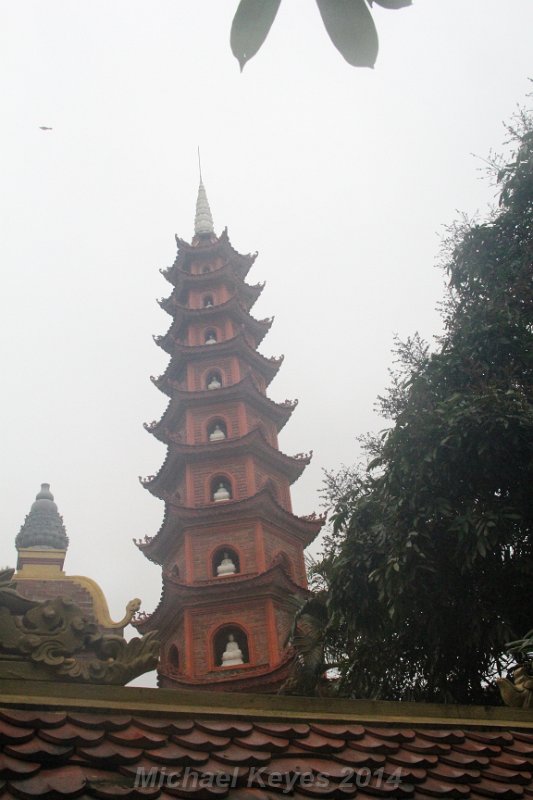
(221, 493)
(217, 434)
(226, 566)
(211, 339)
(214, 383)
(232, 655)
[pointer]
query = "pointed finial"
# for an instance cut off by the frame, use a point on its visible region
(203, 221)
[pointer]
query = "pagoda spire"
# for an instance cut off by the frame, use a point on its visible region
(203, 220)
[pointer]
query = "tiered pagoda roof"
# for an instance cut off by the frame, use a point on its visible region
(247, 293)
(232, 309)
(263, 504)
(275, 581)
(237, 346)
(179, 455)
(181, 400)
(205, 248)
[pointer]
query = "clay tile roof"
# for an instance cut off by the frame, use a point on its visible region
(247, 747)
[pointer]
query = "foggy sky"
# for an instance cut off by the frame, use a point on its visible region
(342, 179)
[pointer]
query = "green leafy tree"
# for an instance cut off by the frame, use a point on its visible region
(430, 561)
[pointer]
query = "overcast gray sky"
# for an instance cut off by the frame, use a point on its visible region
(341, 178)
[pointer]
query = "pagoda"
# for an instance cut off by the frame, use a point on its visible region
(230, 548)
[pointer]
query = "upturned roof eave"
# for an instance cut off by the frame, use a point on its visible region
(237, 345)
(241, 262)
(274, 581)
(262, 505)
(248, 293)
(258, 328)
(180, 454)
(246, 388)
(252, 676)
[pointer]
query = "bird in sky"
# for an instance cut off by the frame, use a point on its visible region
(45, 128)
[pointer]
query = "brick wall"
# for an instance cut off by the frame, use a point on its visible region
(269, 428)
(275, 541)
(281, 485)
(196, 266)
(178, 641)
(284, 619)
(177, 558)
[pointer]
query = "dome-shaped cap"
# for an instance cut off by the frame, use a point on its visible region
(43, 526)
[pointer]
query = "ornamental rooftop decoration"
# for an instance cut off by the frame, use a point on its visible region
(42, 544)
(54, 640)
(43, 527)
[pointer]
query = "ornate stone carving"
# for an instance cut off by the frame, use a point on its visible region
(54, 640)
(519, 692)
(307, 640)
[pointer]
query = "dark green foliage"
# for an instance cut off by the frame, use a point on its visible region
(430, 564)
(349, 25)
(522, 649)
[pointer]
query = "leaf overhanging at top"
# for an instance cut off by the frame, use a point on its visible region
(251, 24)
(391, 4)
(351, 28)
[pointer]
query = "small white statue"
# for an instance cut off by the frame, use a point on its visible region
(232, 655)
(221, 493)
(217, 434)
(214, 383)
(226, 566)
(211, 339)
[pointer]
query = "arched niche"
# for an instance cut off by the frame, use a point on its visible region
(214, 380)
(221, 489)
(207, 301)
(205, 269)
(210, 336)
(273, 488)
(222, 643)
(174, 657)
(283, 559)
(175, 571)
(217, 430)
(221, 562)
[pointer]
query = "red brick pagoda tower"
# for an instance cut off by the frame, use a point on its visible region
(230, 548)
